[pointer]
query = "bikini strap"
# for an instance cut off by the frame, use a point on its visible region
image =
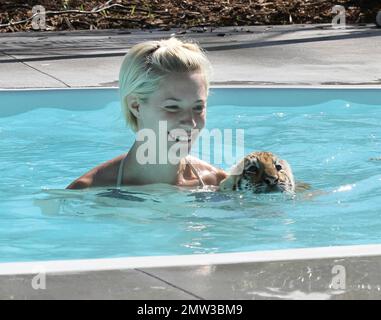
(195, 171)
(120, 173)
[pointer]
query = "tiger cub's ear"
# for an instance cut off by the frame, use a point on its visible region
(238, 169)
(227, 184)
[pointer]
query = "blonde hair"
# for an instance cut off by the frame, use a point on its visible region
(148, 62)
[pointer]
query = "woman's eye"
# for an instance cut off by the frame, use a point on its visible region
(199, 108)
(171, 108)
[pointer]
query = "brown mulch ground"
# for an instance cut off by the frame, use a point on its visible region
(166, 14)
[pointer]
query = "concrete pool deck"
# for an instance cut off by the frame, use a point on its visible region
(348, 272)
(259, 55)
(311, 55)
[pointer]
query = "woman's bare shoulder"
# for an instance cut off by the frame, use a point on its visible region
(104, 174)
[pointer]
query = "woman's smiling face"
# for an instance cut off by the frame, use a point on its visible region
(181, 102)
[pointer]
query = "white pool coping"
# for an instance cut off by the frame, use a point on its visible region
(89, 265)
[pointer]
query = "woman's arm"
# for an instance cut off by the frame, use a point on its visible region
(211, 175)
(103, 175)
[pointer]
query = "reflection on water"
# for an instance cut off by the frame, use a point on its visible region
(160, 198)
(163, 219)
(125, 195)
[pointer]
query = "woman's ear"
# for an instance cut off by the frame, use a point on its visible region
(133, 105)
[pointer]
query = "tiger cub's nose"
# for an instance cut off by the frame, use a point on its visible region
(271, 180)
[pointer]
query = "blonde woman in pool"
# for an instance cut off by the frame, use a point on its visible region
(160, 82)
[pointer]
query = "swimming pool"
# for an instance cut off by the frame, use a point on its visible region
(331, 137)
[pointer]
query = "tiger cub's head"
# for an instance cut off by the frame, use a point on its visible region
(260, 172)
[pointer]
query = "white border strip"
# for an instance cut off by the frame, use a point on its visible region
(73, 266)
(225, 86)
(375, 86)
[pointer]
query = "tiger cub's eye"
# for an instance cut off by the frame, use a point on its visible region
(251, 169)
(278, 167)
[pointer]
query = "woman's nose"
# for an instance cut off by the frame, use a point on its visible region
(188, 119)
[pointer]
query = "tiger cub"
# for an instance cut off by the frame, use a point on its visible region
(260, 172)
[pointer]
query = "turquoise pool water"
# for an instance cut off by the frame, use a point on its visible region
(329, 144)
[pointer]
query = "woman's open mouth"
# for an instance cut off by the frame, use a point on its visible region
(180, 138)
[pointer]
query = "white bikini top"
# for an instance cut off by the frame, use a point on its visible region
(121, 166)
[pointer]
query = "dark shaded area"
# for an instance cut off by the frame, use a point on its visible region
(185, 14)
(125, 195)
